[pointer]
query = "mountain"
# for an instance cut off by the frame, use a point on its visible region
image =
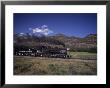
(89, 41)
(57, 40)
(34, 40)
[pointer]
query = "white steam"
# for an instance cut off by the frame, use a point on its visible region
(42, 30)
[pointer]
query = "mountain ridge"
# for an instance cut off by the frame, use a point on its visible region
(57, 40)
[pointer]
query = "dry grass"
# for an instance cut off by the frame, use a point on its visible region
(53, 66)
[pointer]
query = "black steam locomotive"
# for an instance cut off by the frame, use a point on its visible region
(42, 52)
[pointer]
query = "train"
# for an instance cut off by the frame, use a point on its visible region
(42, 52)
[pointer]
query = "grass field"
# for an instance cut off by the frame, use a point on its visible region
(83, 55)
(25, 65)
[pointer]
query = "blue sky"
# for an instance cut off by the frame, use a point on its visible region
(70, 24)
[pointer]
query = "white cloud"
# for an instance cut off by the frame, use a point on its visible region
(44, 26)
(22, 33)
(42, 30)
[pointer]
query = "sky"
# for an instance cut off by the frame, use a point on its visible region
(70, 24)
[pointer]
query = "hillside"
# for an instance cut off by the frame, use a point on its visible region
(58, 40)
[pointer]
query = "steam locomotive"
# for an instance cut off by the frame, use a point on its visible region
(42, 52)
